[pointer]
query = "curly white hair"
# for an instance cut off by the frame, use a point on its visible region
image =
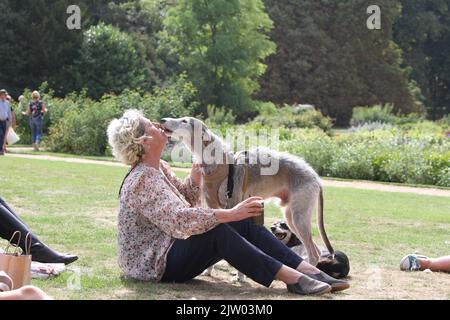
(125, 136)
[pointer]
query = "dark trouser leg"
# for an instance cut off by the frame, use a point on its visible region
(4, 204)
(267, 242)
(10, 223)
(189, 258)
(2, 134)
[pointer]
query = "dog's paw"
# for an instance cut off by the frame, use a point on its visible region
(238, 278)
(207, 273)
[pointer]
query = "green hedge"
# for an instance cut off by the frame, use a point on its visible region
(292, 116)
(384, 155)
(415, 156)
(415, 152)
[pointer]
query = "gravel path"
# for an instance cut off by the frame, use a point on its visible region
(327, 182)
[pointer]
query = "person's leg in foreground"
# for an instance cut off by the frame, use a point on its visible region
(189, 258)
(413, 262)
(10, 223)
(25, 293)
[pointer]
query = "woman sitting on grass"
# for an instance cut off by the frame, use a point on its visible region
(164, 237)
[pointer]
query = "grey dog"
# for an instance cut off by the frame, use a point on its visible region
(294, 182)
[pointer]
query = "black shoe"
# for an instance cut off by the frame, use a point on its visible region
(11, 223)
(41, 253)
(336, 285)
(308, 286)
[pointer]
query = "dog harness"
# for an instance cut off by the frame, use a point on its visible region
(214, 180)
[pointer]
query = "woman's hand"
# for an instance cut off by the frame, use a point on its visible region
(251, 207)
(196, 174)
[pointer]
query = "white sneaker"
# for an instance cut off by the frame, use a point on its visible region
(411, 262)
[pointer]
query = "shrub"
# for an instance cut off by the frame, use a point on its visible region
(393, 155)
(423, 127)
(313, 145)
(175, 100)
(444, 178)
(378, 113)
(109, 62)
(83, 132)
(219, 116)
(445, 122)
(372, 126)
(410, 118)
(352, 161)
(78, 124)
(293, 117)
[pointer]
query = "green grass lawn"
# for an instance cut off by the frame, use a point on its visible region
(73, 208)
(19, 150)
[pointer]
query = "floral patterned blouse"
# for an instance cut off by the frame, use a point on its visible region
(155, 209)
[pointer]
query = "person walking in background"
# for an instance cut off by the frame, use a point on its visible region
(35, 111)
(13, 121)
(13, 114)
(5, 119)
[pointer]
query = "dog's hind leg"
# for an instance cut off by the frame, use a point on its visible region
(302, 207)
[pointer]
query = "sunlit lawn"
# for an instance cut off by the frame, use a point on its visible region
(73, 208)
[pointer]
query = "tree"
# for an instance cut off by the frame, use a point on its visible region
(108, 62)
(36, 43)
(423, 33)
(143, 20)
(37, 46)
(221, 44)
(328, 57)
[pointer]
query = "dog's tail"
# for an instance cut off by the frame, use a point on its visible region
(321, 224)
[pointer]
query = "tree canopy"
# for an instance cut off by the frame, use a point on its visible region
(237, 53)
(328, 57)
(423, 33)
(221, 44)
(109, 61)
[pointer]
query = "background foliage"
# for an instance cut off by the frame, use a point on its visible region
(316, 52)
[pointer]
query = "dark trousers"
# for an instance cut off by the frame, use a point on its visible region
(251, 249)
(3, 126)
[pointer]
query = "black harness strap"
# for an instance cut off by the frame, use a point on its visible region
(230, 182)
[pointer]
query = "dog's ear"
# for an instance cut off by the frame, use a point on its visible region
(206, 136)
(293, 241)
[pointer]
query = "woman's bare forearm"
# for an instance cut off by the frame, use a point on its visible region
(248, 208)
(223, 215)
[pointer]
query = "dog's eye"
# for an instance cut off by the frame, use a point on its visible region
(184, 121)
(284, 225)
